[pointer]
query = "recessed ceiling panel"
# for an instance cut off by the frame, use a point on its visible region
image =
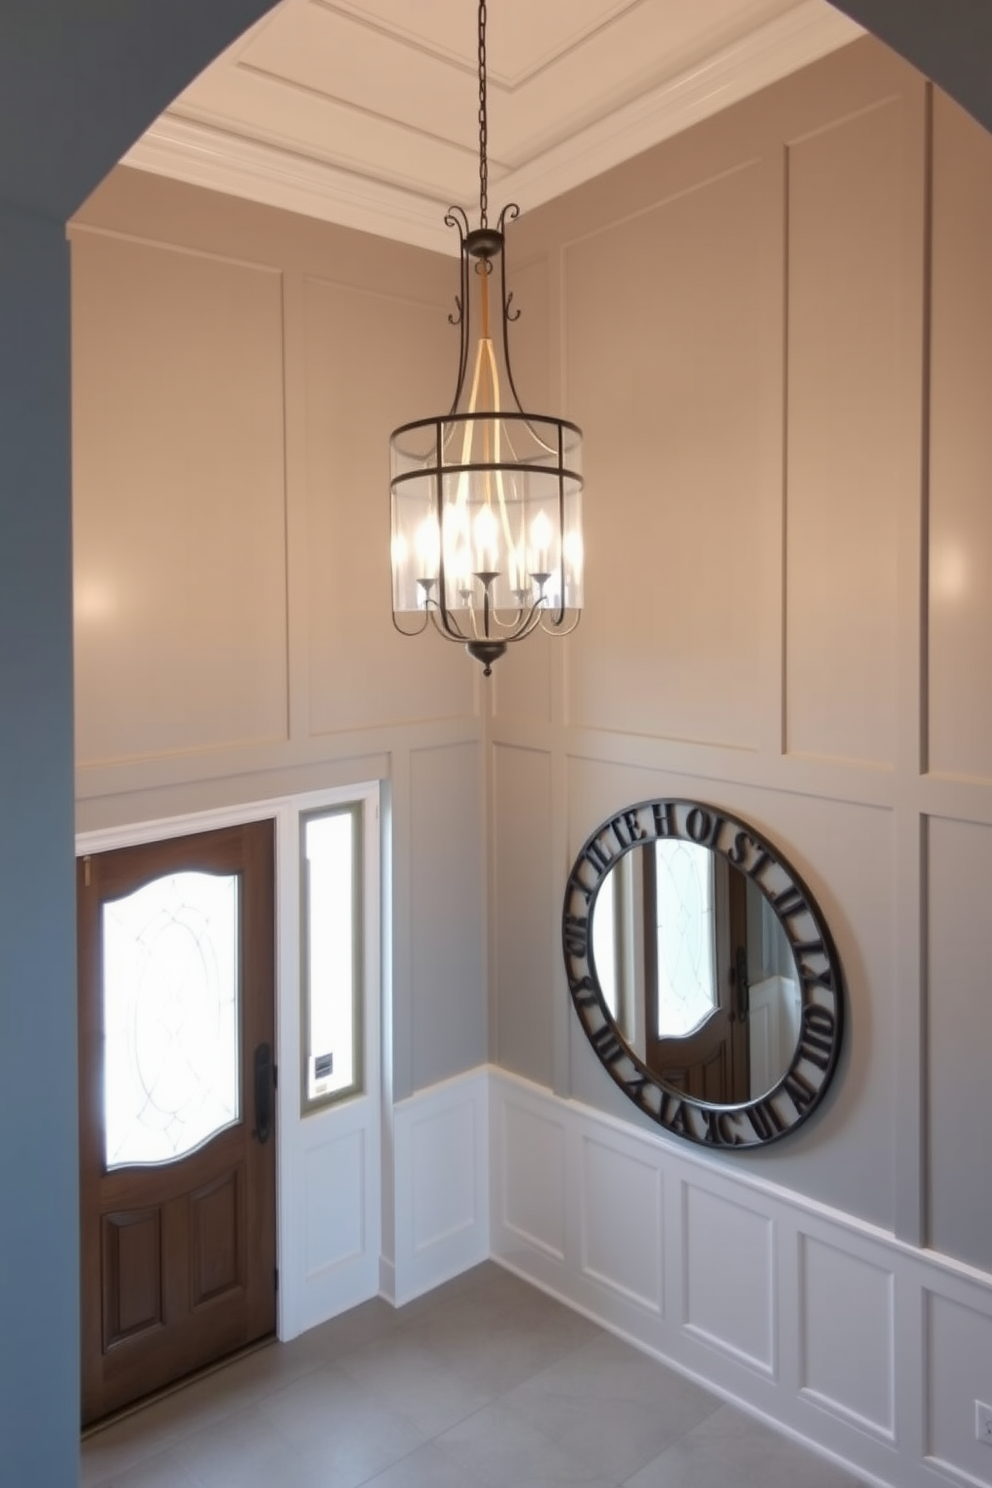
(365, 112)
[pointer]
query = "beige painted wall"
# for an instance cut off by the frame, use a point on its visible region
(236, 373)
(740, 320)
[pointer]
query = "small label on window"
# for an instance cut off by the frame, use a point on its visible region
(323, 1065)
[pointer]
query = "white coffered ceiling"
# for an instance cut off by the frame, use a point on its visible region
(364, 112)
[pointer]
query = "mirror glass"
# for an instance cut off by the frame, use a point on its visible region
(696, 971)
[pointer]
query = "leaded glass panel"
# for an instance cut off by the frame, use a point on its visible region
(171, 1017)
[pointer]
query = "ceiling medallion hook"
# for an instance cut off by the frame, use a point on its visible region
(487, 498)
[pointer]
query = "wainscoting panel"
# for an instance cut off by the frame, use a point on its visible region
(847, 1335)
(532, 1193)
(959, 1336)
(622, 1223)
(827, 1328)
(441, 1147)
(728, 1277)
(335, 1202)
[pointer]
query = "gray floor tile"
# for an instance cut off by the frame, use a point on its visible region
(414, 1383)
(507, 1451)
(610, 1406)
(134, 1439)
(340, 1428)
(730, 1450)
(427, 1467)
(165, 1470)
(352, 1330)
(497, 1341)
(486, 1383)
(240, 1449)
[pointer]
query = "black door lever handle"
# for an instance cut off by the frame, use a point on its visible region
(263, 1093)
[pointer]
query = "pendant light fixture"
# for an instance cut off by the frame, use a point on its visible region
(486, 499)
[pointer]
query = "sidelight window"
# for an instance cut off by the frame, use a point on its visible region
(331, 943)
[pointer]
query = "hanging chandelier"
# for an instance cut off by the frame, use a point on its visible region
(486, 499)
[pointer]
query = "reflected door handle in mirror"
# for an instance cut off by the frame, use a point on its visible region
(264, 1084)
(743, 985)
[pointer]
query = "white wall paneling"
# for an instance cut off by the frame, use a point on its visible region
(831, 1329)
(441, 1197)
(627, 1256)
(531, 1202)
(728, 1281)
(959, 1337)
(179, 500)
(847, 1334)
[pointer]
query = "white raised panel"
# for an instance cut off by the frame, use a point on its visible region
(728, 1282)
(371, 362)
(847, 1361)
(441, 1170)
(533, 1199)
(959, 1373)
(179, 501)
(442, 1151)
(622, 1223)
(960, 516)
(797, 1312)
(682, 305)
(851, 414)
(959, 1095)
(335, 1202)
(447, 912)
(525, 905)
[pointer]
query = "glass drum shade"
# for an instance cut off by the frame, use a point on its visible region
(487, 522)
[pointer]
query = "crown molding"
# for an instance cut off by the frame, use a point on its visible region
(203, 155)
(221, 160)
(802, 35)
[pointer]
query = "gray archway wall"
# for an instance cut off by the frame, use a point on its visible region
(78, 83)
(948, 40)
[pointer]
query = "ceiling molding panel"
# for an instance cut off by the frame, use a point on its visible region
(340, 109)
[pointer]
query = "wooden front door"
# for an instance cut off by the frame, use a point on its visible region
(177, 1150)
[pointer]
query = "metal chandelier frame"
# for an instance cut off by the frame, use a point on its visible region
(482, 625)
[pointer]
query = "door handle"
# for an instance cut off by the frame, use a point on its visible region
(263, 1093)
(743, 985)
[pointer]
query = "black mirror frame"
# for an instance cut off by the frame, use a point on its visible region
(780, 1110)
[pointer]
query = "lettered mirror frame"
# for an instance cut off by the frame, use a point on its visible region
(778, 1111)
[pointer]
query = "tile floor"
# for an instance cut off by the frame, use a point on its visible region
(486, 1383)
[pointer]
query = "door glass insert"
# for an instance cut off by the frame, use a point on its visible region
(171, 1017)
(686, 925)
(331, 940)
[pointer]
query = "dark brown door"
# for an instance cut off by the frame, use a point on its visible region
(177, 1152)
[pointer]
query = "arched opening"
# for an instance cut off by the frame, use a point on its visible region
(77, 85)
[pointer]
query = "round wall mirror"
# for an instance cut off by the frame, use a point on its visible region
(703, 973)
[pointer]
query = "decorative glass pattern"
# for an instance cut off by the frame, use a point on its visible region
(686, 922)
(171, 1017)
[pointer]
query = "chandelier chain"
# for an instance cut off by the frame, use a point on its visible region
(483, 122)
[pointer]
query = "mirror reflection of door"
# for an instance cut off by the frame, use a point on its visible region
(695, 975)
(177, 1154)
(696, 971)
